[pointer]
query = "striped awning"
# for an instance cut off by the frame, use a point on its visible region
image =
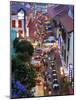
(61, 12)
(67, 22)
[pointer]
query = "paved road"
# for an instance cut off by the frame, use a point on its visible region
(57, 68)
(39, 89)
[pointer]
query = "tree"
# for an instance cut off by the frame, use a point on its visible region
(22, 70)
(24, 57)
(15, 42)
(24, 46)
(23, 73)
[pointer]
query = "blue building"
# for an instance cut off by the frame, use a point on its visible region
(18, 24)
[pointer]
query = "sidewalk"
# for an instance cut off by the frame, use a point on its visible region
(39, 90)
(63, 65)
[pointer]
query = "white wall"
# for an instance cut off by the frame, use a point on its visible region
(70, 57)
(17, 17)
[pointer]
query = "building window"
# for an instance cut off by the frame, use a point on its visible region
(13, 23)
(19, 23)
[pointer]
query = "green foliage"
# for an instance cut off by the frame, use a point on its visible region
(21, 68)
(24, 46)
(66, 85)
(15, 42)
(65, 88)
(23, 72)
(24, 57)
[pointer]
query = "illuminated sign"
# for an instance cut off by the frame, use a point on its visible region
(70, 72)
(59, 42)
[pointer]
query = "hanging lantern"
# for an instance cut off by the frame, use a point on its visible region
(49, 93)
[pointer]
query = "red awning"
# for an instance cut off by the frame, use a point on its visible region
(67, 22)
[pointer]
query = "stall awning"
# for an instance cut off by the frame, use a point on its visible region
(67, 22)
(61, 12)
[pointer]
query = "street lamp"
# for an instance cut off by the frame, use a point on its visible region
(45, 87)
(61, 71)
(41, 83)
(49, 92)
(49, 58)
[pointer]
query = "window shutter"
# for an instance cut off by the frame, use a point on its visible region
(13, 23)
(19, 23)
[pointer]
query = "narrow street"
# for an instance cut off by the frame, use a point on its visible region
(44, 36)
(46, 79)
(56, 67)
(48, 73)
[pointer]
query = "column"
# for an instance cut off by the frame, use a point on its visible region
(27, 28)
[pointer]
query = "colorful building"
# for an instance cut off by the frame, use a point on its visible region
(18, 24)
